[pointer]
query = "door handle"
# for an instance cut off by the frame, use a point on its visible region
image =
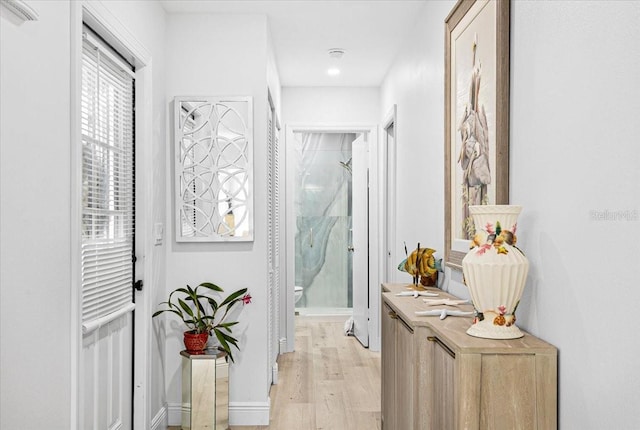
(311, 237)
(138, 285)
(350, 248)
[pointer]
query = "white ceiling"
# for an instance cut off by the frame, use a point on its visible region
(371, 33)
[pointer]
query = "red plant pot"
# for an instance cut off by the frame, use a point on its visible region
(195, 343)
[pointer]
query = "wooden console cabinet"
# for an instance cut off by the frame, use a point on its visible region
(435, 376)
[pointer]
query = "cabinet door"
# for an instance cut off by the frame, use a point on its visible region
(443, 387)
(388, 365)
(405, 378)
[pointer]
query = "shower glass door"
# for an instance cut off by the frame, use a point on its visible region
(323, 261)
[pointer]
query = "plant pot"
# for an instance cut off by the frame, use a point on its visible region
(495, 271)
(195, 343)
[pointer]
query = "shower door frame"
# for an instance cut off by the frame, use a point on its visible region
(288, 301)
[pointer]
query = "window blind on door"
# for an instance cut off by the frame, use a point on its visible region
(107, 112)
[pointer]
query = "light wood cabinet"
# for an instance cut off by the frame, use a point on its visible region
(397, 383)
(435, 376)
(443, 382)
(388, 362)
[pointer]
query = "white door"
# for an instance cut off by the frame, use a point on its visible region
(107, 238)
(360, 244)
(107, 376)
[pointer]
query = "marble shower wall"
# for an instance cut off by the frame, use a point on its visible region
(323, 219)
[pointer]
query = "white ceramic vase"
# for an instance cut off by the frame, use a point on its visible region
(495, 271)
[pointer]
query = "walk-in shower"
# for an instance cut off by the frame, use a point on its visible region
(323, 238)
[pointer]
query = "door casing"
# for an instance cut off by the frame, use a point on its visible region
(100, 18)
(388, 179)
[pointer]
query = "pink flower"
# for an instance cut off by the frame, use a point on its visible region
(246, 299)
(489, 228)
(483, 249)
(502, 309)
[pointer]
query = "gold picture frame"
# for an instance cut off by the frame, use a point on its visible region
(476, 116)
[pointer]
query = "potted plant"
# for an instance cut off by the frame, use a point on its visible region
(204, 315)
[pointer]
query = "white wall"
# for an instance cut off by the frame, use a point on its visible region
(273, 76)
(35, 230)
(415, 83)
(574, 149)
(330, 105)
(575, 101)
(223, 55)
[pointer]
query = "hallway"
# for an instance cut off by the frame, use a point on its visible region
(329, 382)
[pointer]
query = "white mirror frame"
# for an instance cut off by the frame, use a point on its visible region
(213, 151)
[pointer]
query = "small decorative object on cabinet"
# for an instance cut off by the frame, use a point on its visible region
(205, 391)
(201, 314)
(495, 271)
(423, 266)
(436, 377)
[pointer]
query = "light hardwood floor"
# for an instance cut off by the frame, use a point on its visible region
(330, 382)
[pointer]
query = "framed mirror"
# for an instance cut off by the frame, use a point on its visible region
(213, 169)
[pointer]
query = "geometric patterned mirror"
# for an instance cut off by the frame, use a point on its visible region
(214, 169)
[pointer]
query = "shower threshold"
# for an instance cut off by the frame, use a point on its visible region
(310, 312)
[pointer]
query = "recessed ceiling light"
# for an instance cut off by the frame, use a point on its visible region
(336, 53)
(334, 71)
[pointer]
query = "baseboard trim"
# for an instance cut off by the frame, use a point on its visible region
(174, 414)
(240, 413)
(159, 422)
(249, 413)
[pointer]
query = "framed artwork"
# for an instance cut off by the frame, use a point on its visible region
(476, 117)
(213, 169)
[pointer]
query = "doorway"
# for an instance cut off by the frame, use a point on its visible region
(323, 223)
(324, 248)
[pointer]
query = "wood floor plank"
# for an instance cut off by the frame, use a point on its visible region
(331, 382)
(330, 405)
(330, 366)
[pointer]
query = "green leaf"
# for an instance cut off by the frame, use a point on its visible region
(223, 343)
(234, 296)
(199, 305)
(230, 339)
(186, 307)
(167, 310)
(211, 286)
(229, 324)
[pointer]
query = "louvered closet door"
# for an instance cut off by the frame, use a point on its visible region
(276, 246)
(107, 109)
(273, 237)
